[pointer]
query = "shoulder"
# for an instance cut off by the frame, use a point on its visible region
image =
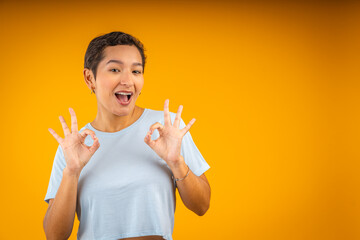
(158, 115)
(84, 127)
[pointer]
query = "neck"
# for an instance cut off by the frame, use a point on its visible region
(108, 122)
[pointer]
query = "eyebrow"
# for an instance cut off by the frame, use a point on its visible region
(120, 62)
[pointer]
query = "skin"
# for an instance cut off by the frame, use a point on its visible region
(112, 117)
(113, 77)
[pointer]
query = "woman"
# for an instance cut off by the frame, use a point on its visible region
(121, 180)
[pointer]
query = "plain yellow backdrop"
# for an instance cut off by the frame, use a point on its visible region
(274, 88)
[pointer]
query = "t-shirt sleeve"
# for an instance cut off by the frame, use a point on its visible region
(191, 154)
(56, 174)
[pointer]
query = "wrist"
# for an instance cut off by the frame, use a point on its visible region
(176, 164)
(180, 168)
(71, 172)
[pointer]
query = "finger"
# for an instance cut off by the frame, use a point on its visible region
(148, 140)
(95, 144)
(167, 119)
(178, 117)
(188, 126)
(74, 125)
(56, 136)
(64, 126)
(86, 132)
(157, 126)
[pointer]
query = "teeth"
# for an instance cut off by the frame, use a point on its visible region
(122, 93)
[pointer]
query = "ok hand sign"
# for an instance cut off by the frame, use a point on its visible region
(77, 154)
(168, 145)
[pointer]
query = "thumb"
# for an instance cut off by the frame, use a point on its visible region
(95, 144)
(86, 132)
(148, 140)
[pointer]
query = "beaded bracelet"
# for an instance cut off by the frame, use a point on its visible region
(180, 179)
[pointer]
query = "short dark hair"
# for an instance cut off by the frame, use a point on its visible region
(95, 51)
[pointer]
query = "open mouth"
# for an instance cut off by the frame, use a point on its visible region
(123, 97)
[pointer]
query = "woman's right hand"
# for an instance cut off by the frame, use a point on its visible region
(77, 154)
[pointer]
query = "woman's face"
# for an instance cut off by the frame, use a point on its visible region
(120, 70)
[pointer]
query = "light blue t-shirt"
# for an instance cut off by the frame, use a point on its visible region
(126, 190)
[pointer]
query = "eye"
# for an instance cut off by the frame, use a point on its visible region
(114, 70)
(136, 71)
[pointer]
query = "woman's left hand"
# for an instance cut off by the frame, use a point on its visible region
(168, 144)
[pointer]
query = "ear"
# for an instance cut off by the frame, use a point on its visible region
(89, 78)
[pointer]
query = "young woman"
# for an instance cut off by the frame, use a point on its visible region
(121, 179)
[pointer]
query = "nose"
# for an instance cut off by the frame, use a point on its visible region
(126, 78)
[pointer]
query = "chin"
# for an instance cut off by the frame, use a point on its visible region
(123, 111)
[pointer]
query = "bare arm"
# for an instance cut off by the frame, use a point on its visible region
(194, 191)
(60, 215)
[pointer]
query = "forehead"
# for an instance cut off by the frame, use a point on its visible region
(123, 53)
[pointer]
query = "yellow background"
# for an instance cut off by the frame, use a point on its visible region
(274, 88)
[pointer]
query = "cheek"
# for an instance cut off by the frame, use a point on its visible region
(106, 85)
(139, 83)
